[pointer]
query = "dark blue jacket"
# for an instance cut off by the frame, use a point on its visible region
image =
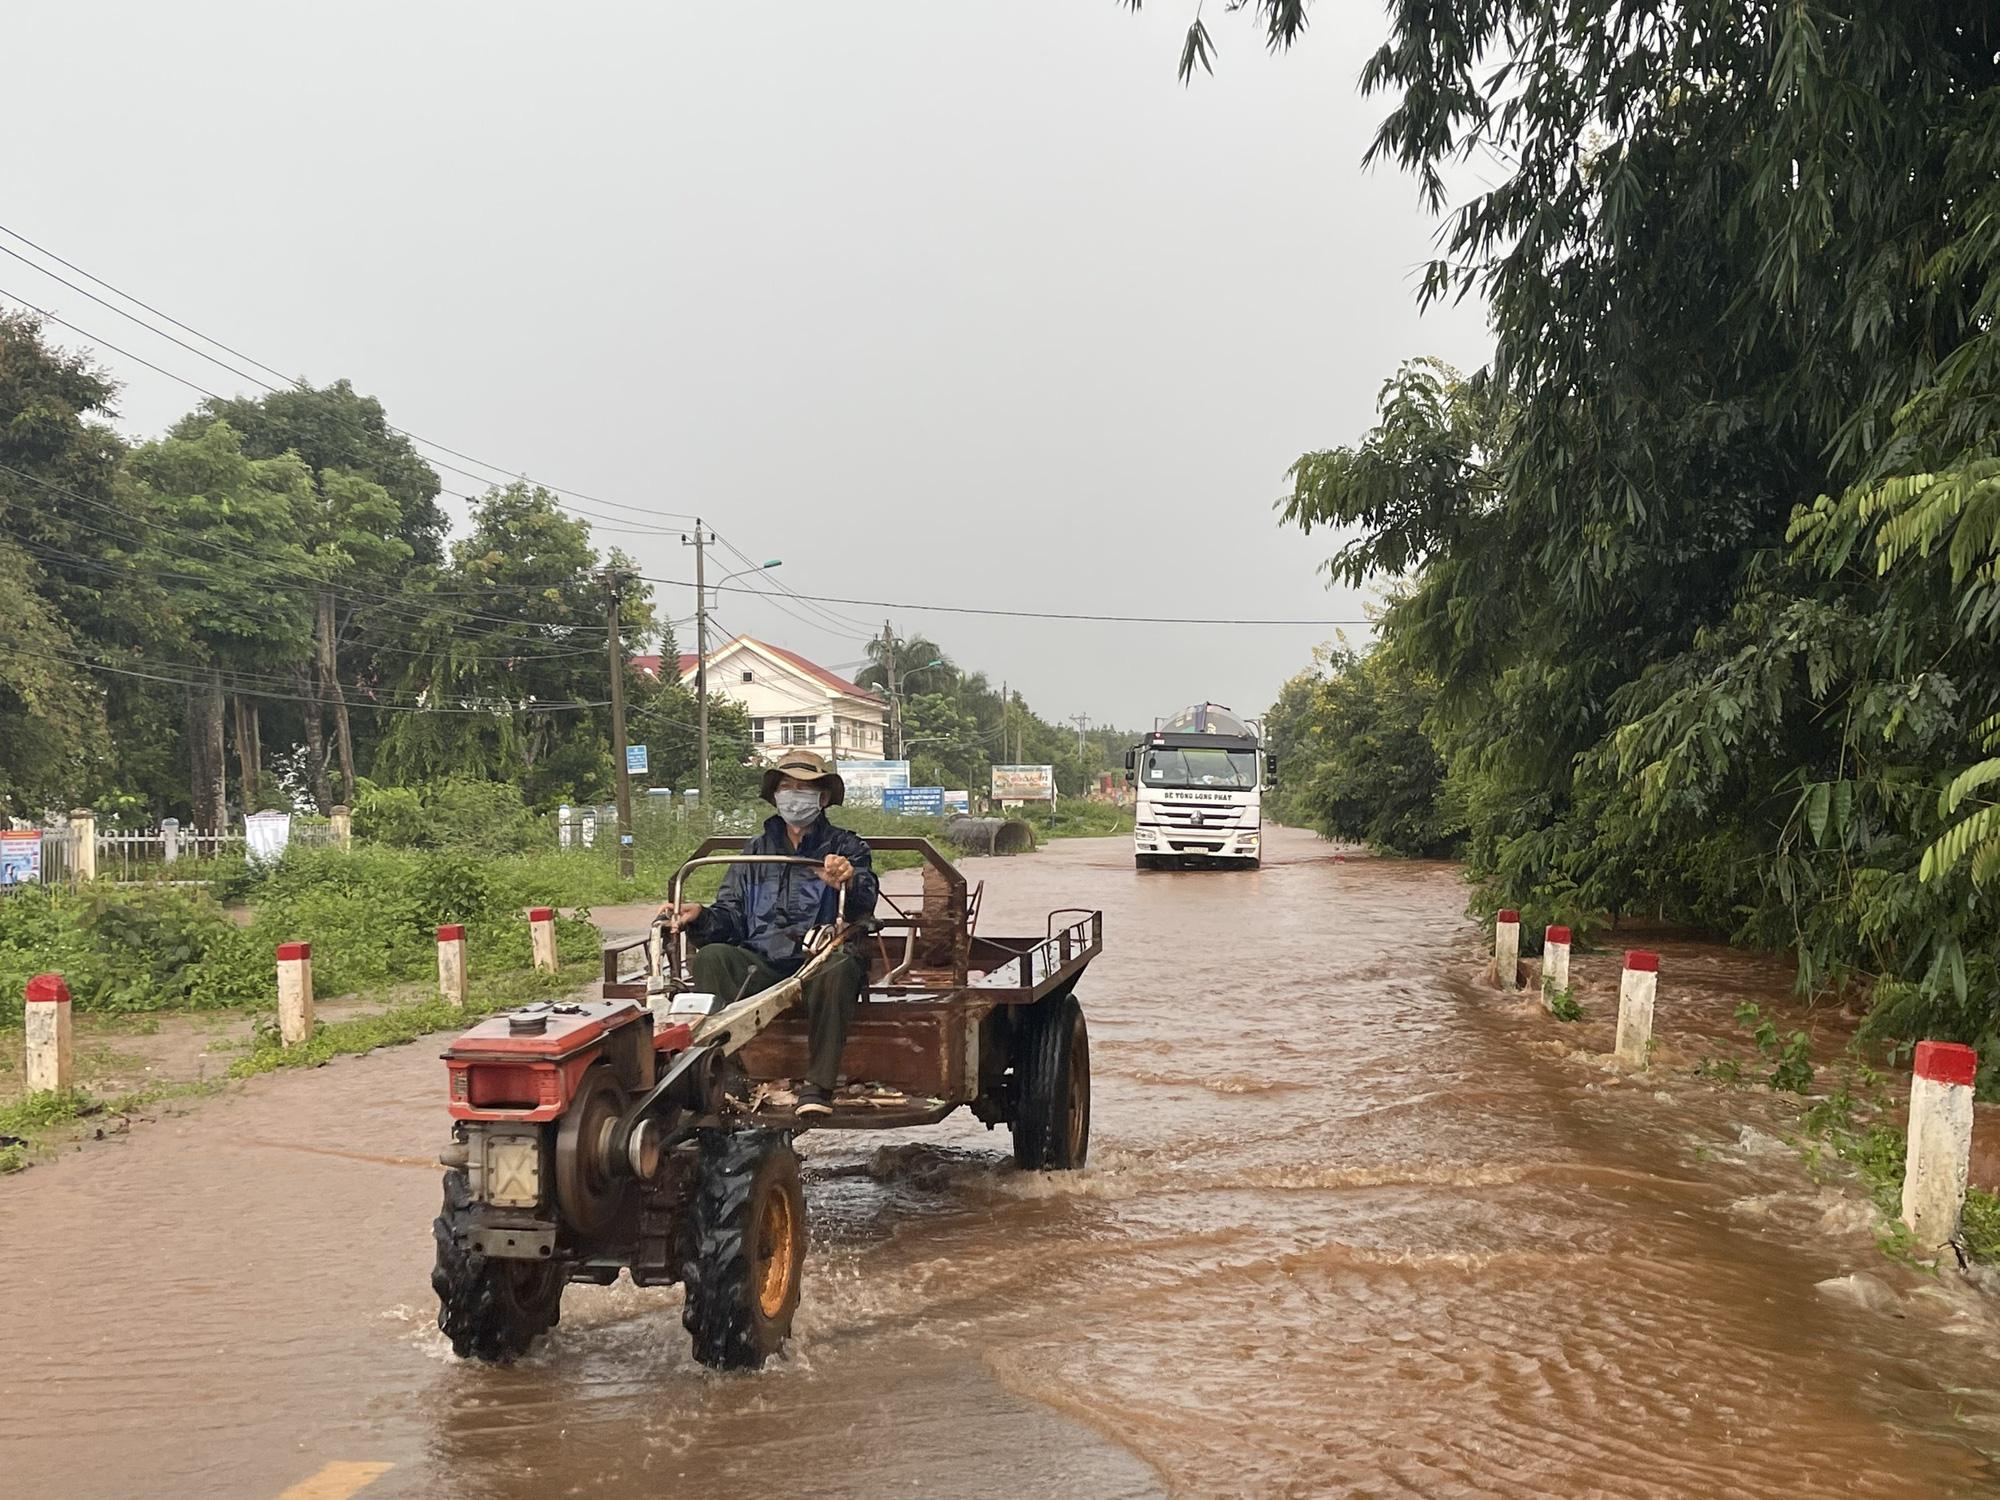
(769, 908)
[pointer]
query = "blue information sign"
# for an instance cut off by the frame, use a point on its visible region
(635, 758)
(923, 800)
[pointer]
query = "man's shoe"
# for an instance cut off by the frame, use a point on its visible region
(813, 1100)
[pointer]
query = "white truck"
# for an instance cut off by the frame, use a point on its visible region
(1199, 780)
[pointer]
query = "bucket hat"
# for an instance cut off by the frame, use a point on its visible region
(802, 765)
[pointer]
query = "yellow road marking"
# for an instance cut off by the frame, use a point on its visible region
(337, 1481)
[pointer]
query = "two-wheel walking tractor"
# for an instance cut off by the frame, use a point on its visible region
(650, 1131)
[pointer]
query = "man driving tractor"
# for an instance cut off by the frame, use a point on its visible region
(748, 938)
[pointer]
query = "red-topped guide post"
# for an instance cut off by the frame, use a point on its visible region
(295, 993)
(48, 1034)
(452, 980)
(1507, 949)
(1555, 963)
(1636, 990)
(542, 932)
(1940, 1144)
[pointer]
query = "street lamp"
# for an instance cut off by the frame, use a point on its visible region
(776, 562)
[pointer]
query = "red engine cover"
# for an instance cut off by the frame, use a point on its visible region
(501, 1073)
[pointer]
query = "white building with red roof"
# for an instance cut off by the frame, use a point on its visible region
(790, 701)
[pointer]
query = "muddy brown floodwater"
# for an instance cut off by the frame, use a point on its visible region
(1349, 1228)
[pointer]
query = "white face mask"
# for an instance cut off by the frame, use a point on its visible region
(798, 806)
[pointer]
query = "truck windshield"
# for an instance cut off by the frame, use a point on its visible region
(1207, 768)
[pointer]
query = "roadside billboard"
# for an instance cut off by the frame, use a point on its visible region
(926, 801)
(958, 802)
(866, 780)
(1024, 783)
(21, 858)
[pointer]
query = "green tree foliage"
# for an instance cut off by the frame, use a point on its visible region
(335, 429)
(62, 575)
(513, 644)
(1354, 760)
(1702, 564)
(957, 726)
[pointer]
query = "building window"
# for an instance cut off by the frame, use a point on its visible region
(798, 731)
(756, 731)
(748, 675)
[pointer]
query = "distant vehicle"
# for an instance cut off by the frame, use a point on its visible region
(1199, 778)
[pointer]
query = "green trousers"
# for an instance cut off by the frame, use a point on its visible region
(729, 973)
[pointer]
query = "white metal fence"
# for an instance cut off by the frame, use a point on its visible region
(167, 854)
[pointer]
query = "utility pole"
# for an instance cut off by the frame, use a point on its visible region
(889, 644)
(616, 645)
(1082, 722)
(700, 541)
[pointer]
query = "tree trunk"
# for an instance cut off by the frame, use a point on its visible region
(317, 750)
(329, 672)
(206, 764)
(245, 714)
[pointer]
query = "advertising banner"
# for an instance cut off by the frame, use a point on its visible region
(958, 802)
(866, 780)
(1024, 783)
(923, 800)
(636, 760)
(21, 858)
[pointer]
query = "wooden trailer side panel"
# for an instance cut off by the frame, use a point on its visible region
(927, 1049)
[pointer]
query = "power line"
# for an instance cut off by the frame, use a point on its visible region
(367, 701)
(1017, 614)
(411, 609)
(289, 381)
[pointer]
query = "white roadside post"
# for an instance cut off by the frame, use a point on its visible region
(48, 1034)
(1940, 1148)
(1555, 963)
(451, 963)
(542, 929)
(295, 993)
(83, 830)
(343, 826)
(1636, 990)
(1507, 949)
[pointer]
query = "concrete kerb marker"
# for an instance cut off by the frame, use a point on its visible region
(1555, 963)
(48, 1034)
(295, 993)
(1507, 949)
(1636, 990)
(1940, 1144)
(451, 963)
(542, 930)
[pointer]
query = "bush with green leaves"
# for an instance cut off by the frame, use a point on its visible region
(150, 948)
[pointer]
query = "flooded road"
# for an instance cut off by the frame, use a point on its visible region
(1350, 1227)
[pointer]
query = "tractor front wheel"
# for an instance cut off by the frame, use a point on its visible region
(489, 1308)
(746, 1247)
(1052, 1088)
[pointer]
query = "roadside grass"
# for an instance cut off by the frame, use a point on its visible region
(1077, 818)
(408, 1019)
(27, 1123)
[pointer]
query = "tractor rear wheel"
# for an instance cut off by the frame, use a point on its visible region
(489, 1308)
(1052, 1088)
(746, 1247)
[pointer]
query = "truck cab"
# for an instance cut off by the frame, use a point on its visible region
(1198, 779)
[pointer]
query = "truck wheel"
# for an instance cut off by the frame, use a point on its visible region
(1052, 1088)
(490, 1309)
(746, 1247)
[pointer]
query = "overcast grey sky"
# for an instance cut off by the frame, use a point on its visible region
(948, 303)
